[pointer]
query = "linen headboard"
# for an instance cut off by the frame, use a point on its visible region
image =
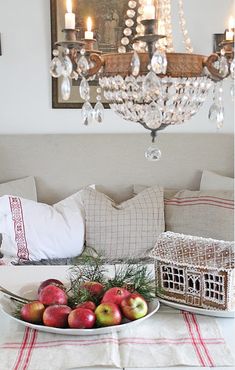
(62, 164)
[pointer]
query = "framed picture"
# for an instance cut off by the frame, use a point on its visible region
(107, 19)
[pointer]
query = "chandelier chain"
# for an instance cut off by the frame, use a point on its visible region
(166, 15)
(182, 21)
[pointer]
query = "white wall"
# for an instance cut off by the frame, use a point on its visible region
(25, 85)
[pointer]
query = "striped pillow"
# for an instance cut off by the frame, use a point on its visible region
(209, 214)
(125, 230)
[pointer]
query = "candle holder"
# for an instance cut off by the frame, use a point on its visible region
(89, 46)
(221, 45)
(228, 45)
(70, 41)
(150, 36)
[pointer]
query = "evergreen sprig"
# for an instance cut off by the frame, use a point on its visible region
(89, 269)
(134, 277)
(17, 310)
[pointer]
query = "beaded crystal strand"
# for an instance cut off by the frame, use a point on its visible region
(186, 38)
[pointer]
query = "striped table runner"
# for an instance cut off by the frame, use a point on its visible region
(169, 338)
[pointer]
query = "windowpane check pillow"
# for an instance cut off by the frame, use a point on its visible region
(126, 230)
(208, 214)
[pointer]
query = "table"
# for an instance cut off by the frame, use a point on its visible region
(19, 276)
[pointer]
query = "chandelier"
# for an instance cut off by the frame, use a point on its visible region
(146, 81)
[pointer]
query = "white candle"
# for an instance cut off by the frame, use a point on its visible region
(229, 35)
(149, 10)
(69, 16)
(89, 34)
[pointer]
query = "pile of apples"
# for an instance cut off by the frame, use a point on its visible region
(52, 309)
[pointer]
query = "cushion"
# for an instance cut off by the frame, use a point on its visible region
(207, 214)
(24, 188)
(213, 181)
(123, 230)
(39, 231)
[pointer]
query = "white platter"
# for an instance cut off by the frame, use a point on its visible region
(8, 308)
(197, 310)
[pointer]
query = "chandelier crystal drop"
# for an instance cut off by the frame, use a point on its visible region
(145, 81)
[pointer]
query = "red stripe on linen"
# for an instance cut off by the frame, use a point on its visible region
(31, 346)
(197, 204)
(195, 345)
(194, 319)
(208, 197)
(195, 334)
(18, 218)
(144, 341)
(201, 200)
(122, 342)
(22, 349)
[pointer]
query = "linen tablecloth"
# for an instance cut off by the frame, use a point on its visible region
(169, 338)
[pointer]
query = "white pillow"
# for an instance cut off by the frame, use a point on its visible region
(39, 231)
(24, 188)
(213, 181)
(125, 230)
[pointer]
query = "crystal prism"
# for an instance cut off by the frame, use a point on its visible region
(56, 67)
(159, 62)
(130, 13)
(87, 113)
(83, 65)
(153, 116)
(99, 112)
(65, 88)
(232, 68)
(151, 83)
(223, 67)
(132, 4)
(84, 89)
(67, 66)
(220, 125)
(216, 113)
(135, 64)
(153, 154)
(232, 92)
(129, 23)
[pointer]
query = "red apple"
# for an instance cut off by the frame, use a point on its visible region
(51, 294)
(134, 306)
(88, 304)
(32, 312)
(108, 314)
(50, 282)
(81, 318)
(56, 316)
(94, 288)
(115, 295)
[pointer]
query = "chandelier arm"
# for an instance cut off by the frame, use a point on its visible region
(162, 127)
(98, 64)
(209, 64)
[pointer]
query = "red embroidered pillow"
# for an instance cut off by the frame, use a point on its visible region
(38, 231)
